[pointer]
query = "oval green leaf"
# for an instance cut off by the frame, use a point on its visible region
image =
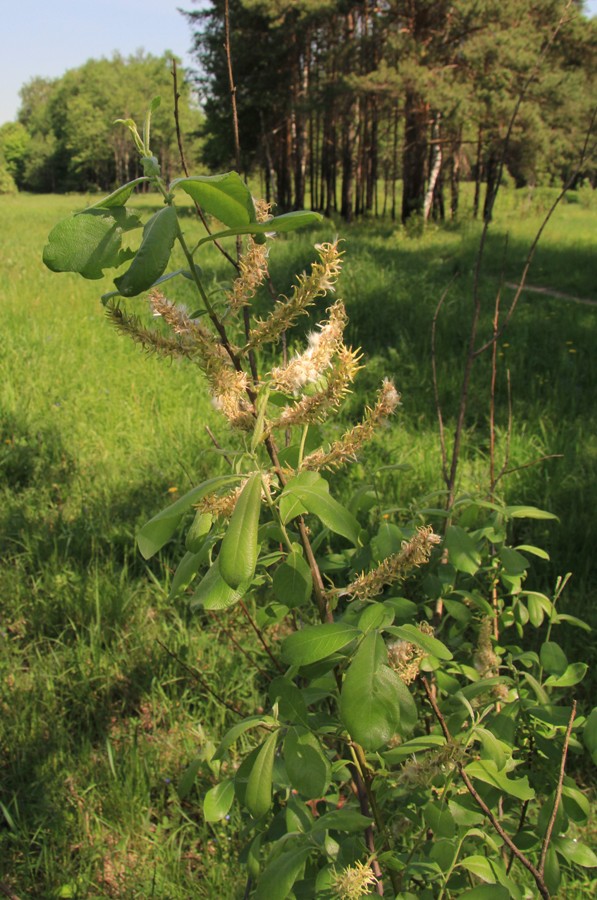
(462, 550)
(258, 796)
(553, 658)
(280, 874)
(226, 197)
(89, 242)
(312, 492)
(218, 800)
(369, 706)
(152, 256)
(293, 582)
(427, 642)
(238, 554)
(574, 674)
(213, 593)
(307, 765)
(315, 642)
(158, 531)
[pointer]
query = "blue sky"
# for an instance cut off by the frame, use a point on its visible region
(47, 37)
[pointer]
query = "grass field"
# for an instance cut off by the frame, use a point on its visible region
(100, 676)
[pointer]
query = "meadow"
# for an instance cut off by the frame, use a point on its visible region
(111, 694)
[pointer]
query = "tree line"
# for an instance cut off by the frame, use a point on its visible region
(64, 138)
(340, 100)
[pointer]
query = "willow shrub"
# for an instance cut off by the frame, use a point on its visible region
(411, 744)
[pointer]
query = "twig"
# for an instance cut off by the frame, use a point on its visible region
(558, 794)
(239, 646)
(231, 84)
(533, 462)
(521, 821)
(217, 445)
(536, 873)
(199, 677)
(259, 634)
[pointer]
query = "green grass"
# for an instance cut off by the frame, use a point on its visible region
(98, 721)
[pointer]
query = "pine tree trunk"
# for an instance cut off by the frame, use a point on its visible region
(414, 155)
(492, 171)
(455, 176)
(478, 173)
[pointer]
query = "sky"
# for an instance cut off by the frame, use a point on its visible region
(47, 37)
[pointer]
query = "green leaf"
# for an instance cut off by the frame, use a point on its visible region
(479, 866)
(487, 892)
(119, 196)
(158, 531)
(293, 582)
(486, 770)
(235, 732)
(552, 871)
(574, 673)
(376, 616)
(369, 706)
(534, 551)
(462, 550)
(495, 749)
(439, 818)
(387, 541)
(553, 658)
(313, 493)
(514, 563)
(558, 716)
(416, 745)
(185, 572)
(213, 593)
(576, 805)
(279, 225)
(153, 255)
(427, 642)
(572, 620)
(218, 800)
(307, 765)
(89, 242)
(188, 778)
(258, 796)
(290, 701)
(315, 642)
(226, 197)
(238, 554)
(198, 531)
(527, 512)
(590, 734)
(280, 874)
(346, 820)
(574, 851)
